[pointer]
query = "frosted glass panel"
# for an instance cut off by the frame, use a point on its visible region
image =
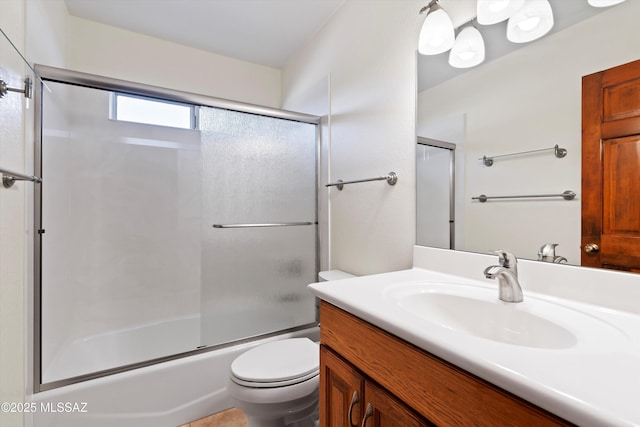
(257, 170)
(433, 196)
(121, 208)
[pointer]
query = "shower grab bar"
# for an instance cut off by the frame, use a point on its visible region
(557, 151)
(567, 195)
(391, 179)
(276, 224)
(10, 177)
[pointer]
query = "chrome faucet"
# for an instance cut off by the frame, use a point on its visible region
(509, 289)
(547, 253)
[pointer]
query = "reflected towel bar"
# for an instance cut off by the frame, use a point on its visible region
(10, 177)
(567, 195)
(391, 179)
(557, 151)
(276, 224)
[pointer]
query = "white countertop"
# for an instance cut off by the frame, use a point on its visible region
(594, 383)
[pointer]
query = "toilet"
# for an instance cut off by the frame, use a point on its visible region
(277, 384)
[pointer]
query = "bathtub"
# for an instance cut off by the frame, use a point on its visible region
(166, 394)
(123, 347)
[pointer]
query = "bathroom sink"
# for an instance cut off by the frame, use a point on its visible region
(477, 311)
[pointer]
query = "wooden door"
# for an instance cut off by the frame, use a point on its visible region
(341, 392)
(611, 168)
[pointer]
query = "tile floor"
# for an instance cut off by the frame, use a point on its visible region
(229, 418)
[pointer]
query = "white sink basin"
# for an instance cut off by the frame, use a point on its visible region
(477, 311)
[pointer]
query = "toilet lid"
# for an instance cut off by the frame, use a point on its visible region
(277, 362)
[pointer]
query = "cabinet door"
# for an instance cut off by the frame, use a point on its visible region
(384, 410)
(341, 392)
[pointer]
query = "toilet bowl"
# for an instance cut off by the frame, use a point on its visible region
(277, 384)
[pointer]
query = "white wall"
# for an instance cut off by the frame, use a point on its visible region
(108, 51)
(12, 218)
(35, 27)
(368, 52)
(528, 100)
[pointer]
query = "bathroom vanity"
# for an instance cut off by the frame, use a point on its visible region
(424, 347)
(368, 373)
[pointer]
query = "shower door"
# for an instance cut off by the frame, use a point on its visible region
(259, 224)
(155, 241)
(435, 197)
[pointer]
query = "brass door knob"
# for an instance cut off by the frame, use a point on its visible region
(591, 248)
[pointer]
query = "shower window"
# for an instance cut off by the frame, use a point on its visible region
(160, 241)
(139, 109)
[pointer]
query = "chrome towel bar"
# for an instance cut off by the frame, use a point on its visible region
(567, 195)
(557, 151)
(275, 224)
(10, 177)
(391, 179)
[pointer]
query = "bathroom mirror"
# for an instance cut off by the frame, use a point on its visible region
(528, 99)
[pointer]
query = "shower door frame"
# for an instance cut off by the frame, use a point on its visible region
(59, 75)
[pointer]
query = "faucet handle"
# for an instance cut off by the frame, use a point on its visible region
(506, 259)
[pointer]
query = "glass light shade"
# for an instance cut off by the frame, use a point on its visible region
(468, 49)
(533, 21)
(493, 11)
(604, 3)
(437, 34)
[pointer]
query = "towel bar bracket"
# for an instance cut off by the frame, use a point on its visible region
(27, 91)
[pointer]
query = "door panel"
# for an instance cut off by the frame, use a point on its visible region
(611, 168)
(259, 224)
(341, 392)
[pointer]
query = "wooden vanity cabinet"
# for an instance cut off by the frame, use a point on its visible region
(362, 366)
(348, 400)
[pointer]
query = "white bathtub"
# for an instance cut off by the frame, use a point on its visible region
(123, 347)
(166, 394)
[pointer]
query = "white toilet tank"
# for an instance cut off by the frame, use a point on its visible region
(325, 276)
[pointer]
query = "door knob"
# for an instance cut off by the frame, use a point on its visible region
(591, 248)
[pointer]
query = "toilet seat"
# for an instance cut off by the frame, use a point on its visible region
(277, 364)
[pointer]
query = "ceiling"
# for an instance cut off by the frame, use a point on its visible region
(269, 32)
(266, 32)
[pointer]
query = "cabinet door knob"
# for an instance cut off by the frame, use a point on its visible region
(591, 248)
(367, 414)
(354, 400)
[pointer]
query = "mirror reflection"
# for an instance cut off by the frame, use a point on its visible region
(523, 101)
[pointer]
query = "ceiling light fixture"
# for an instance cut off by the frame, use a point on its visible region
(468, 49)
(437, 34)
(604, 3)
(493, 11)
(532, 21)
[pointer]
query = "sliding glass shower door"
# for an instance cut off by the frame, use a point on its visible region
(259, 224)
(157, 240)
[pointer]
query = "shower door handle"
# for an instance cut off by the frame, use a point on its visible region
(275, 224)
